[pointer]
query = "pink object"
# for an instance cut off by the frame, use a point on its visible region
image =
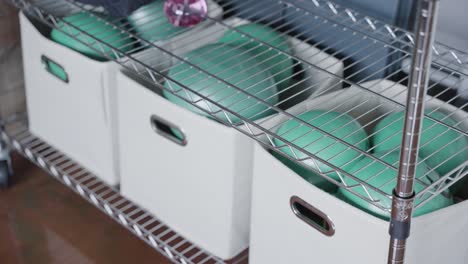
(185, 13)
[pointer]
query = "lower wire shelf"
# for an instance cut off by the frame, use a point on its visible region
(107, 198)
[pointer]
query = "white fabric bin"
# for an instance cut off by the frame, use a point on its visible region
(279, 236)
(201, 189)
(75, 117)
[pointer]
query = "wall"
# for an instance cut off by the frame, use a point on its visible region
(370, 65)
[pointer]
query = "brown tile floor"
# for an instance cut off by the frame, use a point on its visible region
(42, 221)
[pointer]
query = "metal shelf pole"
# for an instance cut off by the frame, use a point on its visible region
(403, 195)
(5, 161)
(3, 145)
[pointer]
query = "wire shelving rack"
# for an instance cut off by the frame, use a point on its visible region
(369, 36)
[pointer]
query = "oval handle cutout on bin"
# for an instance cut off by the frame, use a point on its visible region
(312, 216)
(55, 69)
(168, 130)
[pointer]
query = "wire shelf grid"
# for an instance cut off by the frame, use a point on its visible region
(370, 36)
(107, 198)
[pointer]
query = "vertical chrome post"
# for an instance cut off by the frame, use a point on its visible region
(403, 195)
(3, 147)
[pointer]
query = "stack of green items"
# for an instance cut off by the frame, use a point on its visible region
(68, 33)
(450, 147)
(442, 149)
(243, 64)
(384, 178)
(322, 145)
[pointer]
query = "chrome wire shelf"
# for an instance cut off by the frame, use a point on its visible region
(370, 37)
(444, 56)
(106, 198)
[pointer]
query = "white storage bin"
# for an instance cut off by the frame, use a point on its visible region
(201, 189)
(75, 116)
(279, 236)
